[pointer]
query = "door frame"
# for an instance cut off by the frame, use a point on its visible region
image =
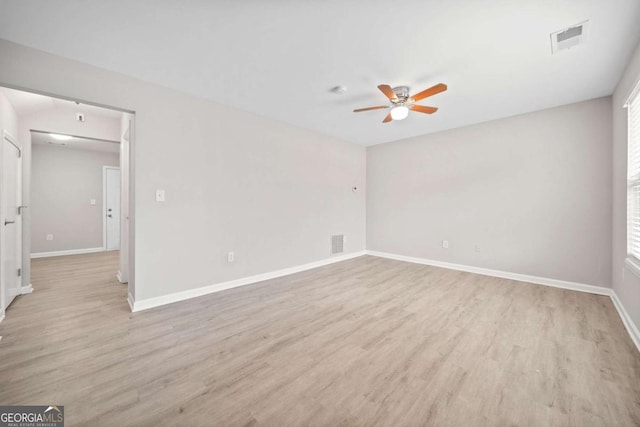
(6, 136)
(104, 205)
(129, 154)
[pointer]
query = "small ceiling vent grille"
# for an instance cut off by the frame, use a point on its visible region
(337, 244)
(569, 37)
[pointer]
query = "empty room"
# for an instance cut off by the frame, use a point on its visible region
(278, 213)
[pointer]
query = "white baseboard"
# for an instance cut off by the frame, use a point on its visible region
(192, 293)
(130, 301)
(68, 252)
(600, 290)
(119, 277)
(23, 290)
(631, 327)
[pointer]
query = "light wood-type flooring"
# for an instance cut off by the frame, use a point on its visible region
(368, 341)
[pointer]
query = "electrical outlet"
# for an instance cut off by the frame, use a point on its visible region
(231, 257)
(445, 244)
(92, 201)
(476, 248)
(49, 236)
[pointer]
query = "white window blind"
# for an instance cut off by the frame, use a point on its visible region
(633, 177)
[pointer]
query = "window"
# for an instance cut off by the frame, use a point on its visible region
(633, 177)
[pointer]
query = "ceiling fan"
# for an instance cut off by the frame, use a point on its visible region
(402, 102)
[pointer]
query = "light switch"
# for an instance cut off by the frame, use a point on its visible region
(92, 201)
(159, 195)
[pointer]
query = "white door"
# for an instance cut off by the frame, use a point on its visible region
(112, 207)
(10, 221)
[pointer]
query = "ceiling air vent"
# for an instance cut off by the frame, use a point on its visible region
(569, 37)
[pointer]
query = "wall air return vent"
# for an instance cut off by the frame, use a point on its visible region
(337, 244)
(569, 37)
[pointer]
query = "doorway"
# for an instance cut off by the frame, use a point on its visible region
(11, 219)
(66, 190)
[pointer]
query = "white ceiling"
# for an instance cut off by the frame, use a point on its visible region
(76, 143)
(279, 58)
(27, 103)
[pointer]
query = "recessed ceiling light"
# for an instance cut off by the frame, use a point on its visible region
(60, 137)
(399, 113)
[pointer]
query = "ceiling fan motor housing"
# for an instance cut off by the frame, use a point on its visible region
(402, 93)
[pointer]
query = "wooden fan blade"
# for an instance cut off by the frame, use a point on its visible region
(387, 119)
(388, 92)
(440, 87)
(380, 107)
(424, 109)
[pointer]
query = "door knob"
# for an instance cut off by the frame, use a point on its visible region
(109, 210)
(110, 216)
(8, 222)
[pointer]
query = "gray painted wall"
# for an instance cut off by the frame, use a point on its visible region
(63, 181)
(625, 283)
(532, 192)
(270, 192)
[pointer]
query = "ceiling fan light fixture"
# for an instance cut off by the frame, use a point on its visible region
(401, 102)
(399, 113)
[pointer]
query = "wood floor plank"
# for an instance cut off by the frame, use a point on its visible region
(368, 341)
